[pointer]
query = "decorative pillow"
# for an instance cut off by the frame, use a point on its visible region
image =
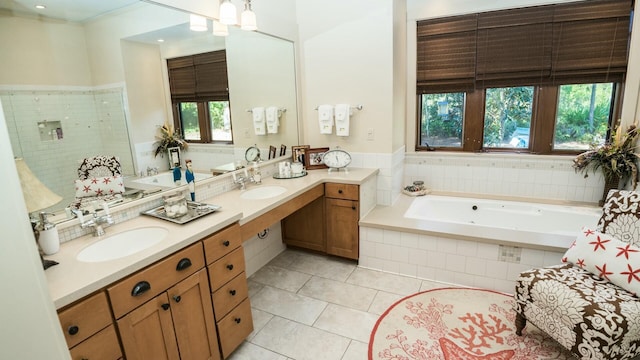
(606, 257)
(99, 186)
(99, 166)
(621, 216)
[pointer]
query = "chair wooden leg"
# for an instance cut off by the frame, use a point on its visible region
(521, 322)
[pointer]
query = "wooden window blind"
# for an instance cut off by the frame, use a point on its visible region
(582, 42)
(446, 56)
(200, 77)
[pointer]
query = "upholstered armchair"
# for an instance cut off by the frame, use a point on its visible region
(589, 303)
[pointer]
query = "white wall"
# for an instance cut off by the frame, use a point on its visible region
(29, 328)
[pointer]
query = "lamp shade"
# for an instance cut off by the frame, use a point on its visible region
(36, 195)
(228, 13)
(248, 20)
(197, 23)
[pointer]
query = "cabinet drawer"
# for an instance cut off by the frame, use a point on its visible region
(341, 191)
(235, 327)
(222, 243)
(146, 284)
(230, 295)
(101, 346)
(225, 269)
(85, 318)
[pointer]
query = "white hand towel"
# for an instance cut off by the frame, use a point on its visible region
(273, 121)
(325, 118)
(343, 112)
(259, 125)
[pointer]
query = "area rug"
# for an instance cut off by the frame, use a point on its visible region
(457, 324)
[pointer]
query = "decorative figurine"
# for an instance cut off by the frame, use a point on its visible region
(188, 175)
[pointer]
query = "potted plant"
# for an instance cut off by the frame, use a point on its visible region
(616, 158)
(168, 138)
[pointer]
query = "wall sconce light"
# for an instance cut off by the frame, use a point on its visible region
(220, 29)
(248, 18)
(197, 23)
(228, 14)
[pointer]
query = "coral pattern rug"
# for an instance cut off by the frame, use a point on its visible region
(457, 324)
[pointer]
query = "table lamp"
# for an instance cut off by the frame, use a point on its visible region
(38, 197)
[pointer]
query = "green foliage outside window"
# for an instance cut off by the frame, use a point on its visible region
(189, 118)
(507, 116)
(442, 119)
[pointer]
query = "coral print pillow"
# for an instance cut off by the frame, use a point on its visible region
(607, 257)
(99, 186)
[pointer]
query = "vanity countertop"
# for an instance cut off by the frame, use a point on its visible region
(71, 279)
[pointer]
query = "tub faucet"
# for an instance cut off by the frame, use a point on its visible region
(98, 223)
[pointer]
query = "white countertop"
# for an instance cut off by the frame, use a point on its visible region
(71, 279)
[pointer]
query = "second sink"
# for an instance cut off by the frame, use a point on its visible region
(263, 192)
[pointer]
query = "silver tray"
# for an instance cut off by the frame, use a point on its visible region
(196, 210)
(277, 176)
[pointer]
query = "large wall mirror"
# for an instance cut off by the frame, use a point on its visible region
(72, 89)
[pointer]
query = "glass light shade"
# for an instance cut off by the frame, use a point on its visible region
(248, 20)
(228, 13)
(197, 23)
(220, 29)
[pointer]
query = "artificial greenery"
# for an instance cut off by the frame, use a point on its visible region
(617, 157)
(168, 138)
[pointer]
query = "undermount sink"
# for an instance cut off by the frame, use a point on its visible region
(122, 244)
(263, 192)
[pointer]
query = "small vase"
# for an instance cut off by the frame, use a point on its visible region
(610, 182)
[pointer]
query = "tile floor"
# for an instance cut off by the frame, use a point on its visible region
(309, 306)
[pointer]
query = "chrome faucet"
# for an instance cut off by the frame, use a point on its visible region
(98, 223)
(253, 175)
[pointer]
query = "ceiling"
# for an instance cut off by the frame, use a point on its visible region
(70, 10)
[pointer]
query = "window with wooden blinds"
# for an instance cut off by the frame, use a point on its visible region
(199, 77)
(446, 54)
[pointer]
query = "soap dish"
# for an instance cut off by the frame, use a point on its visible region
(416, 193)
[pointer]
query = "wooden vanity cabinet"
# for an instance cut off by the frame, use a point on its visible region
(165, 310)
(342, 212)
(229, 291)
(89, 330)
(305, 227)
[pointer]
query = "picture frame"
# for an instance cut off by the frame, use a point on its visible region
(283, 150)
(314, 158)
(298, 153)
(174, 157)
(272, 152)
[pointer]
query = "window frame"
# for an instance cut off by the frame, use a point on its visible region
(203, 122)
(559, 24)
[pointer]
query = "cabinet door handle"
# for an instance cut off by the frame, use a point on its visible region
(165, 306)
(177, 298)
(226, 243)
(230, 266)
(340, 191)
(140, 288)
(353, 208)
(232, 292)
(183, 264)
(237, 320)
(72, 330)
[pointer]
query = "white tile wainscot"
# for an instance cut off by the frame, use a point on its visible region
(388, 244)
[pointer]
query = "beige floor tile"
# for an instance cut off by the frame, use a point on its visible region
(349, 295)
(260, 319)
(281, 278)
(396, 284)
(249, 351)
(383, 301)
(356, 351)
(300, 342)
(324, 266)
(254, 287)
(351, 323)
(430, 285)
(285, 258)
(288, 305)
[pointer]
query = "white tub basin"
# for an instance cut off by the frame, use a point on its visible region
(122, 244)
(165, 179)
(263, 192)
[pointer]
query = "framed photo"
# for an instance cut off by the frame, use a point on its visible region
(272, 152)
(283, 150)
(315, 158)
(174, 157)
(298, 153)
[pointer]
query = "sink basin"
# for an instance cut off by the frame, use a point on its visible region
(263, 192)
(122, 244)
